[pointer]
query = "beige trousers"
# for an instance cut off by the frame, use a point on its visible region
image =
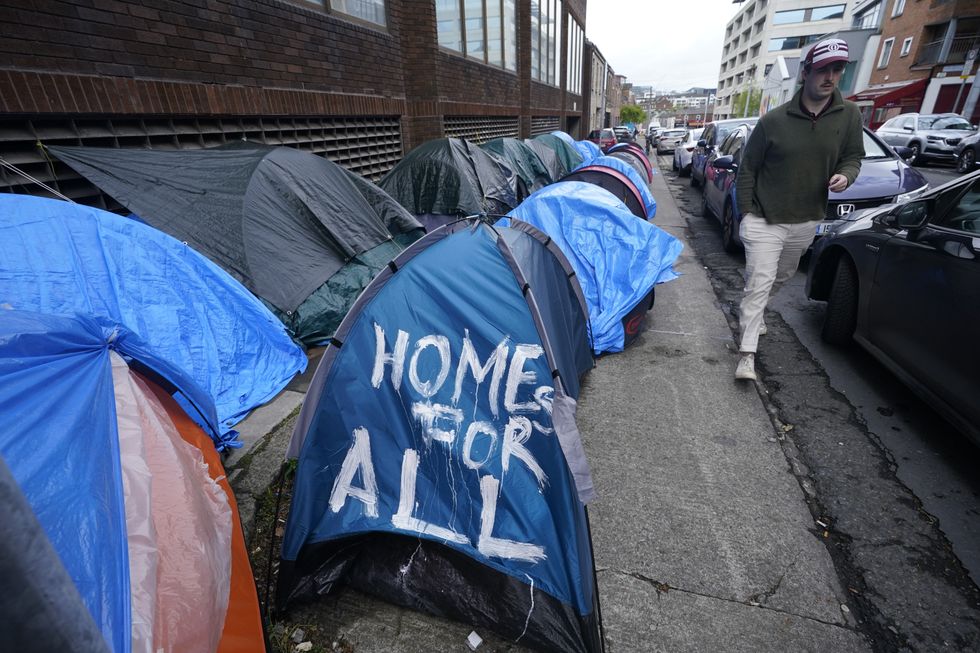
(772, 254)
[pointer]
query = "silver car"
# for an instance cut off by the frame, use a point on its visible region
(669, 139)
(684, 151)
(930, 136)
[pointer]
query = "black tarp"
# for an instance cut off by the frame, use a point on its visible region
(522, 159)
(452, 177)
(281, 221)
(558, 156)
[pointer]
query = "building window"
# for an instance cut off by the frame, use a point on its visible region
(906, 47)
(886, 52)
(576, 39)
(545, 40)
(869, 18)
(373, 11)
(898, 8)
(482, 30)
(827, 12)
(792, 42)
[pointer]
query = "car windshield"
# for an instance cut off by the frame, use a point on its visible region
(943, 122)
(673, 133)
(874, 150)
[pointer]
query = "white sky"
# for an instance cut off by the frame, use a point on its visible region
(670, 45)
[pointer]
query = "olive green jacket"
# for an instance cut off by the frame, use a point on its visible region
(790, 158)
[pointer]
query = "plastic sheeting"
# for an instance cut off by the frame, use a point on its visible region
(616, 257)
(567, 156)
(452, 177)
(589, 152)
(281, 221)
(62, 258)
(522, 160)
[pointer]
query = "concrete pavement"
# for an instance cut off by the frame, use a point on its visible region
(703, 540)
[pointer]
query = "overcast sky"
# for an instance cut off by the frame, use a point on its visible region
(667, 45)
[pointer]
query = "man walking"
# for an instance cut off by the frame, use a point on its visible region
(796, 154)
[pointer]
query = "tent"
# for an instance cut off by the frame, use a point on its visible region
(620, 179)
(517, 155)
(297, 230)
(634, 154)
(448, 178)
(133, 520)
(617, 259)
(439, 462)
(588, 150)
(558, 156)
(63, 258)
(564, 136)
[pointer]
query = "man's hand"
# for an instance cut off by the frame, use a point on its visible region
(837, 183)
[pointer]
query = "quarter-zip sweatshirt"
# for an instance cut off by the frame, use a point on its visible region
(792, 154)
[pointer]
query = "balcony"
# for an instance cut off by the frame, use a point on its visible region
(929, 52)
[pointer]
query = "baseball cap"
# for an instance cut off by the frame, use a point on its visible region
(826, 52)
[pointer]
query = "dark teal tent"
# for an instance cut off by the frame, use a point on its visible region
(302, 233)
(560, 157)
(523, 160)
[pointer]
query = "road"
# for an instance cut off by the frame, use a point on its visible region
(896, 485)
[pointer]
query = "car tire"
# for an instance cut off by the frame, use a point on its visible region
(841, 316)
(674, 164)
(685, 171)
(966, 161)
(728, 241)
(916, 158)
(694, 180)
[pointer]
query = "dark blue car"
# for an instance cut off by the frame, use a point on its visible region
(885, 178)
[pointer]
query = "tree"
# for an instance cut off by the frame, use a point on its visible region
(747, 103)
(632, 113)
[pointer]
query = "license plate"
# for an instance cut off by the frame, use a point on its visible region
(824, 227)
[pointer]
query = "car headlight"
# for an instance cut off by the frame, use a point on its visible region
(911, 195)
(934, 138)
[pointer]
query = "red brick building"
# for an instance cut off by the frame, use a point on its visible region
(359, 81)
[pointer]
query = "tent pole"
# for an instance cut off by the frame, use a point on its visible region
(595, 583)
(272, 538)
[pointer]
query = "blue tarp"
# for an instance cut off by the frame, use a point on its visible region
(589, 151)
(621, 166)
(616, 257)
(60, 440)
(66, 259)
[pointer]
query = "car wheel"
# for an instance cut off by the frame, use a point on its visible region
(916, 158)
(686, 170)
(694, 180)
(841, 316)
(966, 160)
(728, 227)
(674, 164)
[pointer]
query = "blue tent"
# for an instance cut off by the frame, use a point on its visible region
(649, 203)
(589, 151)
(617, 258)
(77, 422)
(62, 258)
(439, 462)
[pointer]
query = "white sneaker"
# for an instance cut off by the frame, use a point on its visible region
(745, 371)
(763, 330)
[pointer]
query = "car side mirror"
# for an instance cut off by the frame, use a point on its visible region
(724, 163)
(702, 143)
(911, 215)
(903, 152)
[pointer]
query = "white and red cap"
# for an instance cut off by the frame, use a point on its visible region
(826, 52)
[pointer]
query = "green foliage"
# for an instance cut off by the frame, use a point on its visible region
(752, 97)
(632, 113)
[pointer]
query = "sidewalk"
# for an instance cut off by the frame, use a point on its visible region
(702, 538)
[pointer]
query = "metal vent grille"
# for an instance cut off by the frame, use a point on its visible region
(544, 125)
(481, 129)
(368, 146)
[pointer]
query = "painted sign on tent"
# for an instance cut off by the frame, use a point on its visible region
(439, 465)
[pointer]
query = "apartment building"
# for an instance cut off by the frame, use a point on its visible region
(762, 31)
(358, 82)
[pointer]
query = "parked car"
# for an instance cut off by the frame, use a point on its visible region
(604, 138)
(683, 151)
(966, 152)
(714, 133)
(884, 178)
(623, 134)
(902, 281)
(930, 136)
(669, 139)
